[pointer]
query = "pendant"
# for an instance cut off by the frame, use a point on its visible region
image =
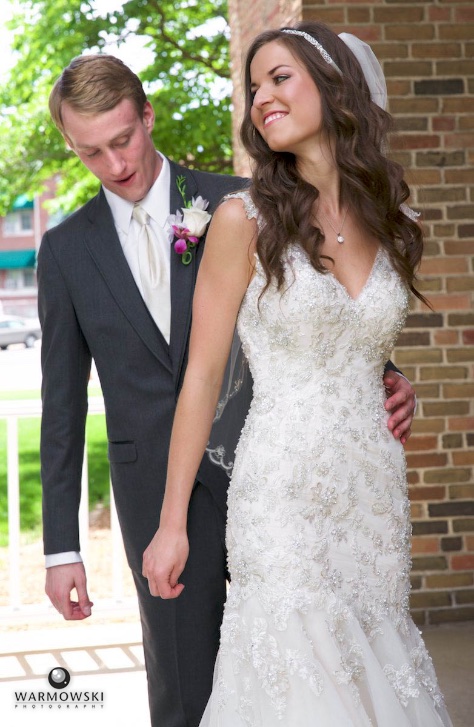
(340, 239)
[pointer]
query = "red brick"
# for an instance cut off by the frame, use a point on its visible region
(456, 32)
(444, 265)
(459, 176)
(446, 475)
(464, 525)
(456, 391)
(449, 580)
(330, 16)
(445, 337)
(409, 32)
(438, 14)
(359, 15)
(463, 458)
(458, 105)
(429, 563)
(427, 426)
(417, 444)
(464, 15)
(397, 87)
(457, 355)
(443, 123)
(460, 283)
(417, 177)
(416, 510)
(415, 141)
(427, 493)
(441, 373)
(452, 441)
(451, 302)
(430, 599)
(461, 492)
(462, 562)
(455, 141)
(424, 545)
(426, 460)
(436, 50)
(464, 596)
(461, 424)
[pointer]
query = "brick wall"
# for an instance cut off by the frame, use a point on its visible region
(427, 50)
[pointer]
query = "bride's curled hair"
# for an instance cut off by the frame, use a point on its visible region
(370, 183)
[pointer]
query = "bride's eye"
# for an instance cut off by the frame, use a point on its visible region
(279, 79)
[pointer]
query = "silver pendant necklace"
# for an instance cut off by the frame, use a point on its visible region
(339, 236)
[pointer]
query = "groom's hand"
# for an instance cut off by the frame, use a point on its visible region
(164, 561)
(401, 403)
(61, 580)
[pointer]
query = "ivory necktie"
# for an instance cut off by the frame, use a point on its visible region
(154, 271)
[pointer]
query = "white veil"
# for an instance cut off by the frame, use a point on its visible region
(371, 68)
(232, 408)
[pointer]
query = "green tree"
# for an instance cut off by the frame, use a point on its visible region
(187, 80)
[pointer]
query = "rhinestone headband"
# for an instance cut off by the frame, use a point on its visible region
(324, 54)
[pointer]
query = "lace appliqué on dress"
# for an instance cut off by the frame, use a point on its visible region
(317, 627)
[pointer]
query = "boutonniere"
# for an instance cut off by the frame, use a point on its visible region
(189, 224)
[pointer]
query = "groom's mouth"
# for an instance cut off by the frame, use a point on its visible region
(125, 180)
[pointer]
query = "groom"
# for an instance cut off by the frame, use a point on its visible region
(92, 291)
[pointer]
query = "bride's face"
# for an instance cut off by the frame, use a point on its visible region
(286, 106)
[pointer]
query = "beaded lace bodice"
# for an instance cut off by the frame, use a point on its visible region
(318, 530)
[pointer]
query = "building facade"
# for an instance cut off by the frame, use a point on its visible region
(20, 236)
(427, 52)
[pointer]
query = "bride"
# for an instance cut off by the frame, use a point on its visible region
(315, 264)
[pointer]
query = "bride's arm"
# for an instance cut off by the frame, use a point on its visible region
(223, 278)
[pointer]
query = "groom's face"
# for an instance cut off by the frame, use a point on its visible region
(116, 147)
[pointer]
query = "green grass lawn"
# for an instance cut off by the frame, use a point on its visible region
(30, 487)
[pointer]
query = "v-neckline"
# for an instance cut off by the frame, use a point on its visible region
(364, 287)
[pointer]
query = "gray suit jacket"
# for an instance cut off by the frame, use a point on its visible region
(90, 307)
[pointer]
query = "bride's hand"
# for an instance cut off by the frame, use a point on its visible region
(164, 561)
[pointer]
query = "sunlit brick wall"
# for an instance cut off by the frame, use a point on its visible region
(427, 51)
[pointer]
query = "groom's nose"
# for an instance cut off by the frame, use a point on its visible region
(115, 161)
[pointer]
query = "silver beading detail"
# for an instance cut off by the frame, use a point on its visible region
(322, 51)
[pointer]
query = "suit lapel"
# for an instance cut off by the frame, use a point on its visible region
(183, 277)
(104, 246)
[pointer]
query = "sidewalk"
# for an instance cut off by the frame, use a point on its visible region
(104, 660)
(107, 659)
(452, 649)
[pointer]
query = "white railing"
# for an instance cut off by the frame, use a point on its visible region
(12, 411)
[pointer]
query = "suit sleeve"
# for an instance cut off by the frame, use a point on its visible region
(389, 366)
(66, 364)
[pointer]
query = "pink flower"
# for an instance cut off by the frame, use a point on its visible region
(188, 224)
(180, 246)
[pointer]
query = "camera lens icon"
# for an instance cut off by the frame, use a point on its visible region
(59, 677)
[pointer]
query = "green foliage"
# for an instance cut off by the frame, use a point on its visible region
(187, 81)
(30, 488)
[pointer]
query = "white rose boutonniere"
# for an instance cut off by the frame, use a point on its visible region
(189, 224)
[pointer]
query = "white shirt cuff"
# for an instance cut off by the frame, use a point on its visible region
(72, 556)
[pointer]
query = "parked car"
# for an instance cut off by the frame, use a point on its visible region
(14, 329)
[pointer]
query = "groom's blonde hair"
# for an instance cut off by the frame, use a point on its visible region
(93, 84)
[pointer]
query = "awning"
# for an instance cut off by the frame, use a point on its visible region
(11, 259)
(22, 203)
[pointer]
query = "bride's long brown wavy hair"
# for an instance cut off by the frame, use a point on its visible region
(370, 183)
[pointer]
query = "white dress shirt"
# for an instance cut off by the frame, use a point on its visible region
(156, 204)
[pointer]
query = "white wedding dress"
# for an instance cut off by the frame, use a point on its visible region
(317, 630)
